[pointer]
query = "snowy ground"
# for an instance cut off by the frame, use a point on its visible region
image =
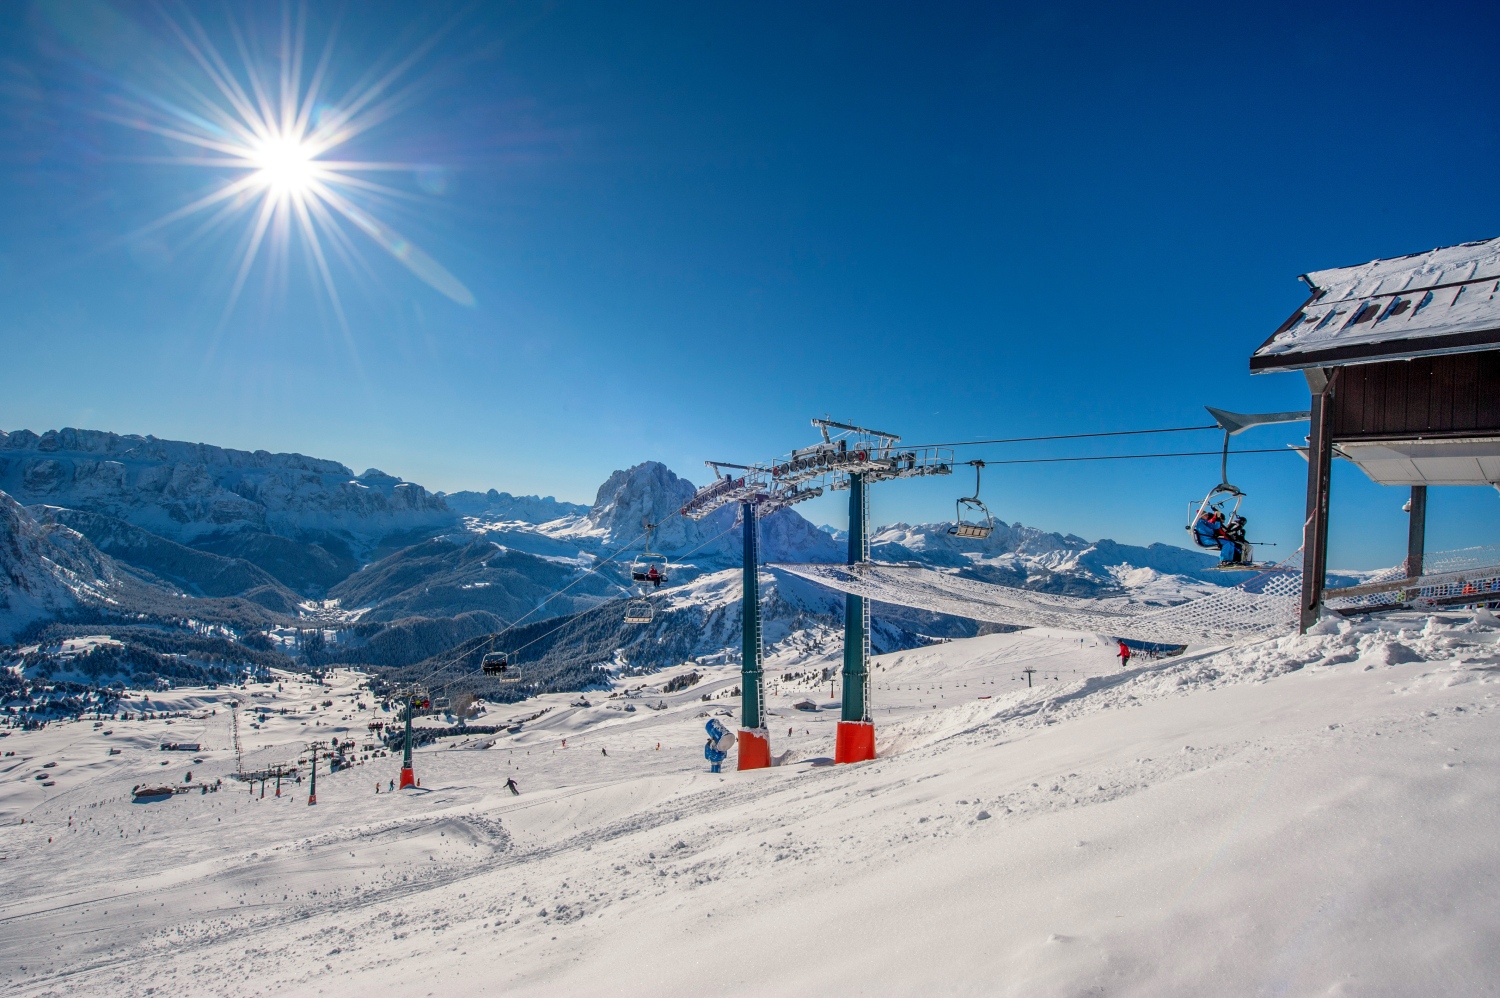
(1309, 815)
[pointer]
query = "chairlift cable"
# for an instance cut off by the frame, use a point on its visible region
(513, 624)
(1140, 457)
(1063, 436)
(576, 617)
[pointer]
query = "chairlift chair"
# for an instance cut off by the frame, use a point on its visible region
(975, 508)
(502, 666)
(1223, 503)
(638, 611)
(649, 568)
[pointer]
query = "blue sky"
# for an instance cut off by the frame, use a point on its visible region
(687, 229)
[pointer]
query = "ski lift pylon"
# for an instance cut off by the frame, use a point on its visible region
(975, 508)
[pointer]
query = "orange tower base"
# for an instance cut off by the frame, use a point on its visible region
(755, 748)
(855, 741)
(408, 779)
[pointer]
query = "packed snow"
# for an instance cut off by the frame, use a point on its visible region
(1304, 815)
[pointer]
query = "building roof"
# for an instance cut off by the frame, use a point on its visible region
(1441, 301)
(1471, 461)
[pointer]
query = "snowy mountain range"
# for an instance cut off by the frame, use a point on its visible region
(97, 525)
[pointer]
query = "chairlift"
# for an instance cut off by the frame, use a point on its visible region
(648, 568)
(1218, 517)
(502, 666)
(638, 611)
(975, 508)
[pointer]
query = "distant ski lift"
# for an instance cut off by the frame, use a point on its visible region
(975, 508)
(638, 611)
(649, 569)
(500, 665)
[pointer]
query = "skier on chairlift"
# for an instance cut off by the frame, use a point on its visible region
(1212, 530)
(653, 576)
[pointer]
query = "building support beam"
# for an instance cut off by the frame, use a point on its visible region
(1416, 532)
(855, 741)
(754, 740)
(1315, 527)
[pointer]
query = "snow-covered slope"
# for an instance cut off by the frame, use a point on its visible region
(651, 493)
(503, 507)
(1310, 815)
(1029, 553)
(192, 493)
(45, 570)
(296, 536)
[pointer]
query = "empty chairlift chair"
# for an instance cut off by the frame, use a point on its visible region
(638, 611)
(973, 508)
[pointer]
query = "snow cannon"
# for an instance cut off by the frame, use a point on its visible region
(720, 741)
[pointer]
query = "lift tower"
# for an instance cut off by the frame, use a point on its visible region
(848, 457)
(753, 493)
(854, 457)
(414, 698)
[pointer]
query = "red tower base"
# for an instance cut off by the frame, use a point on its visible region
(408, 779)
(312, 799)
(755, 748)
(855, 741)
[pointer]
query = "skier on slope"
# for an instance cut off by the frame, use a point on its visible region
(1124, 654)
(510, 785)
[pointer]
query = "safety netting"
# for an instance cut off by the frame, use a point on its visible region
(1264, 605)
(1448, 578)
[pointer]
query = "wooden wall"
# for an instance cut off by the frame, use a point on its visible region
(1451, 396)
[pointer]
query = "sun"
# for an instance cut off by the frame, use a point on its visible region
(271, 133)
(284, 165)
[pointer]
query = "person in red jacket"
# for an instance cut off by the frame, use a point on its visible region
(1124, 654)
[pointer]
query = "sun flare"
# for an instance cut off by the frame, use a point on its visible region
(268, 143)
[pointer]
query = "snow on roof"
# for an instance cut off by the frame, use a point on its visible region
(1441, 301)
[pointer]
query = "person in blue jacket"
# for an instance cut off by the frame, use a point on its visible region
(1210, 531)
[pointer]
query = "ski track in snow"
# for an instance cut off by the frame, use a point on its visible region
(1302, 815)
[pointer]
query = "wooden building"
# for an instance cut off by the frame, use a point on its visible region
(1402, 358)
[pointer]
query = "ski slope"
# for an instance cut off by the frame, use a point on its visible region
(1304, 815)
